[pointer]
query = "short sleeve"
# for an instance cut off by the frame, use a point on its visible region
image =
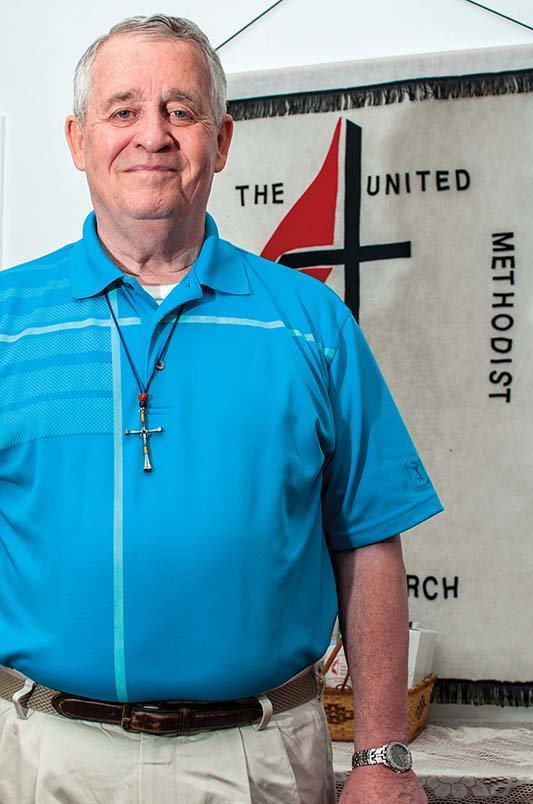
(375, 484)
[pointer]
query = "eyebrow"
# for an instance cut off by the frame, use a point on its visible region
(174, 94)
(178, 94)
(120, 97)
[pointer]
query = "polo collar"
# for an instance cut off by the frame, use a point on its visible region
(91, 269)
(218, 265)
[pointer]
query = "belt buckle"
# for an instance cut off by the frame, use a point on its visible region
(156, 719)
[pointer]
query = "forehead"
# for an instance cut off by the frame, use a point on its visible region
(147, 65)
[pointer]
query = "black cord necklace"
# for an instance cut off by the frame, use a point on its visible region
(144, 432)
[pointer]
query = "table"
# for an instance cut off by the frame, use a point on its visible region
(464, 762)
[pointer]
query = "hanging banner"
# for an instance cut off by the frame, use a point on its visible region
(407, 186)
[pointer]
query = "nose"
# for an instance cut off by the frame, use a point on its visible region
(152, 132)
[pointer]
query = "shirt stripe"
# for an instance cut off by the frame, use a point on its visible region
(118, 518)
(242, 322)
(87, 322)
(34, 292)
(252, 322)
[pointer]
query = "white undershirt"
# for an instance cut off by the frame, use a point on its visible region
(159, 292)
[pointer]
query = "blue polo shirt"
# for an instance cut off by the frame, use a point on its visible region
(208, 578)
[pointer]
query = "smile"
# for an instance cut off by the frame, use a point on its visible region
(151, 169)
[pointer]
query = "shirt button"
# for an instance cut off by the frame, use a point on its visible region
(160, 365)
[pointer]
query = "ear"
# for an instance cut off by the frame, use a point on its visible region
(225, 133)
(74, 134)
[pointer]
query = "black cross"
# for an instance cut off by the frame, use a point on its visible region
(353, 253)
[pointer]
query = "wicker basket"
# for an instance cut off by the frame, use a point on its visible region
(338, 704)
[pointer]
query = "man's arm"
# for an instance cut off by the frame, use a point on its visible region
(372, 592)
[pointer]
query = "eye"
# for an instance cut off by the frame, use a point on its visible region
(123, 115)
(180, 116)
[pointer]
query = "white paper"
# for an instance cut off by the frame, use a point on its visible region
(421, 652)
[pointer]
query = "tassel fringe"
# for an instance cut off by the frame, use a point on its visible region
(483, 692)
(338, 100)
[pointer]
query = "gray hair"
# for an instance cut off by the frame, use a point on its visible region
(157, 26)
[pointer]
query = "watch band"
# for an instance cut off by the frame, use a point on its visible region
(395, 756)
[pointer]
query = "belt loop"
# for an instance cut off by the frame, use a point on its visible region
(268, 711)
(19, 699)
(320, 680)
(125, 719)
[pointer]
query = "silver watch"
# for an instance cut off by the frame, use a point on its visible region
(395, 756)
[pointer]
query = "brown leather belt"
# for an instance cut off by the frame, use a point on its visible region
(158, 717)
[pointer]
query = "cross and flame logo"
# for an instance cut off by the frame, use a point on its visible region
(305, 237)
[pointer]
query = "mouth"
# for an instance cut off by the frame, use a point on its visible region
(151, 169)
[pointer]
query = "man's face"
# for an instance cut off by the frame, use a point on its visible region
(149, 144)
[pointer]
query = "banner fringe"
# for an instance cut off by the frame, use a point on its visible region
(483, 692)
(338, 100)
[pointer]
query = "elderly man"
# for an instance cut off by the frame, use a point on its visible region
(196, 444)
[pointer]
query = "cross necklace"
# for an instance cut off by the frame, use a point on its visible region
(144, 432)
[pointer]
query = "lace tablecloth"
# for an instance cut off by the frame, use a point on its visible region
(466, 763)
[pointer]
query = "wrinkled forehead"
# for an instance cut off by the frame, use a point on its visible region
(129, 63)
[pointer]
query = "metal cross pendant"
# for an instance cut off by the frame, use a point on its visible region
(144, 432)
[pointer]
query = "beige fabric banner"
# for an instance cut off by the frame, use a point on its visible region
(412, 198)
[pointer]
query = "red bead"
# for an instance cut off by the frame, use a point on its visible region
(143, 398)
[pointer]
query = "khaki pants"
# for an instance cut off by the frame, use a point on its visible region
(51, 760)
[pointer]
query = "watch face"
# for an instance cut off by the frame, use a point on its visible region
(399, 756)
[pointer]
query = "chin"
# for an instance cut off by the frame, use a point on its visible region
(152, 216)
(148, 205)
(153, 213)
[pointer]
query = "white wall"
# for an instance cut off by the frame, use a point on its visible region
(40, 43)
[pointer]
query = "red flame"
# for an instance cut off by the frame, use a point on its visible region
(311, 220)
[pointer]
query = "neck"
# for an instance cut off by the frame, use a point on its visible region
(156, 252)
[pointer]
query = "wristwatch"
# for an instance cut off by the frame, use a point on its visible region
(395, 756)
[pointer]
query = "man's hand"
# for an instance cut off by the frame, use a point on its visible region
(379, 785)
